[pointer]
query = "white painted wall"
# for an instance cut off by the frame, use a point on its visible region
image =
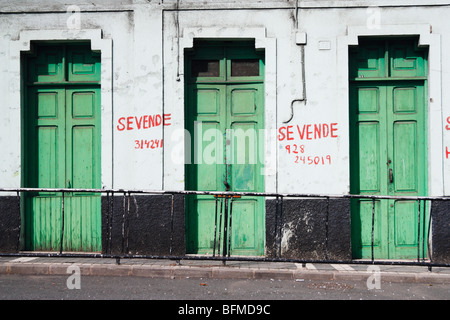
(141, 56)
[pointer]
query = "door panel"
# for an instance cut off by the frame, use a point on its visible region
(405, 219)
(226, 151)
(82, 229)
(245, 148)
(82, 64)
(405, 157)
(83, 138)
(369, 155)
(245, 226)
(406, 60)
(224, 116)
(362, 225)
(368, 61)
(388, 157)
(44, 227)
(207, 101)
(201, 239)
(62, 150)
(206, 108)
(47, 66)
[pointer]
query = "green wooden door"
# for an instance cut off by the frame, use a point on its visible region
(224, 115)
(388, 148)
(62, 148)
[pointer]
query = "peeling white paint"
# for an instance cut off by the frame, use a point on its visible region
(142, 53)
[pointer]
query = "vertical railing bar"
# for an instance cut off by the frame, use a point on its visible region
(220, 225)
(62, 225)
(373, 226)
(418, 234)
(215, 228)
(277, 202)
(20, 222)
(229, 228)
(123, 221)
(326, 228)
(281, 227)
(225, 227)
(128, 223)
(423, 229)
(108, 200)
(428, 235)
(110, 223)
(171, 224)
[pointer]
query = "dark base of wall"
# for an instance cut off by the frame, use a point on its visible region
(9, 224)
(143, 224)
(440, 232)
(308, 232)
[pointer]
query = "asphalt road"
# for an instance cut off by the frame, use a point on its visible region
(53, 287)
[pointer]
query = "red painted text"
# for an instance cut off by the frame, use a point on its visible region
(143, 122)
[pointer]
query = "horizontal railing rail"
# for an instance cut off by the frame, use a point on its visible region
(223, 214)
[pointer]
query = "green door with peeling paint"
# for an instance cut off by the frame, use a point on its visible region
(225, 117)
(61, 145)
(388, 153)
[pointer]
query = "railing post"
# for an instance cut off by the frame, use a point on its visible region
(123, 221)
(220, 225)
(428, 236)
(110, 222)
(229, 228)
(107, 219)
(128, 223)
(281, 227)
(277, 203)
(215, 227)
(225, 228)
(20, 222)
(373, 226)
(171, 223)
(418, 233)
(423, 229)
(326, 228)
(62, 225)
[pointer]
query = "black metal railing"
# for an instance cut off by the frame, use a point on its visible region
(224, 214)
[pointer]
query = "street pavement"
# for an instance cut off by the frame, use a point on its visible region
(214, 269)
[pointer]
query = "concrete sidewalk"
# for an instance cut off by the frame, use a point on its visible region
(216, 269)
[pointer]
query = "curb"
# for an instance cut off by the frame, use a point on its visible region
(217, 272)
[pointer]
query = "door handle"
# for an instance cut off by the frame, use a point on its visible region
(391, 177)
(227, 186)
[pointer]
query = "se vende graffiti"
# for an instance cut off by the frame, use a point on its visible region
(143, 122)
(308, 131)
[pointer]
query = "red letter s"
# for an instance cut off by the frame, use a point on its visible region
(121, 126)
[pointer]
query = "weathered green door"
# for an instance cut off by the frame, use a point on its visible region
(388, 147)
(224, 115)
(61, 118)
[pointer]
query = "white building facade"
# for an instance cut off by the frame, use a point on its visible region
(343, 97)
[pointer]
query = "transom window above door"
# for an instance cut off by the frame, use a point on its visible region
(225, 62)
